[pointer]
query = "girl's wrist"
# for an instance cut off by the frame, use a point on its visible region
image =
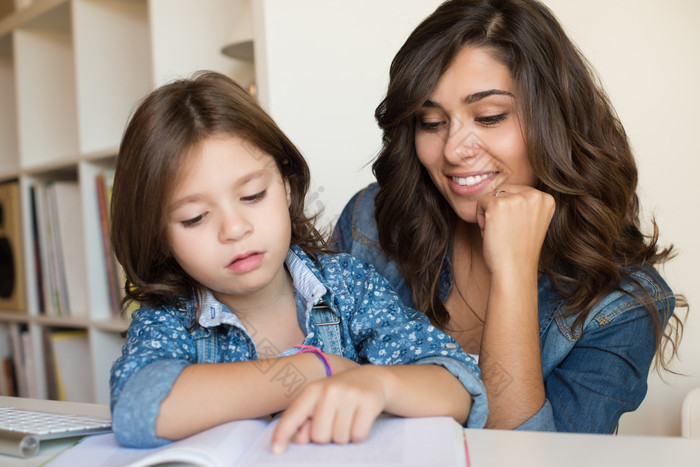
(319, 354)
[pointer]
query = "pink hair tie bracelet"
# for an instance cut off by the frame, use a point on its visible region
(316, 351)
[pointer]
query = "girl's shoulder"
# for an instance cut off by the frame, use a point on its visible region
(182, 313)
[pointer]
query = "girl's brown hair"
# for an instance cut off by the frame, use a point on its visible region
(575, 142)
(167, 124)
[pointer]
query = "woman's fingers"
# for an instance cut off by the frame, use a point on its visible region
(514, 221)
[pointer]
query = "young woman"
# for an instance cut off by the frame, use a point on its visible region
(505, 209)
(244, 313)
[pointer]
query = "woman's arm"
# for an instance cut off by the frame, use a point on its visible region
(342, 408)
(513, 228)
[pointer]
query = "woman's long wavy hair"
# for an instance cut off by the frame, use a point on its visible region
(168, 123)
(575, 142)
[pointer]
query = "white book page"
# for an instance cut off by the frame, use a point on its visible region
(222, 446)
(433, 441)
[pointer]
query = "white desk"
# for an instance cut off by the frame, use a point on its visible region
(498, 448)
(485, 448)
(48, 449)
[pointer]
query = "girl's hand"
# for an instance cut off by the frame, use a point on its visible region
(513, 225)
(340, 364)
(339, 409)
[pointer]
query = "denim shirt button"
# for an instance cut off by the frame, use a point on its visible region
(450, 345)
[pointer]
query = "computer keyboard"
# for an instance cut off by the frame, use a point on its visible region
(22, 430)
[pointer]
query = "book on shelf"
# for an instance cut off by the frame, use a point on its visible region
(71, 246)
(8, 386)
(104, 182)
(62, 262)
(46, 253)
(12, 291)
(393, 441)
(23, 358)
(69, 373)
(37, 248)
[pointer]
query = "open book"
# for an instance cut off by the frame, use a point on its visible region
(434, 441)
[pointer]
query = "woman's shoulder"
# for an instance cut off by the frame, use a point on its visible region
(357, 222)
(641, 286)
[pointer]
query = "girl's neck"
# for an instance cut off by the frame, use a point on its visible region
(269, 316)
(273, 298)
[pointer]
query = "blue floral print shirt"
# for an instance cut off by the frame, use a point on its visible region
(364, 321)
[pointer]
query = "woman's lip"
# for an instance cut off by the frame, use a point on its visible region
(472, 184)
(246, 262)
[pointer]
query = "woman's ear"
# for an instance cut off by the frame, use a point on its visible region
(289, 192)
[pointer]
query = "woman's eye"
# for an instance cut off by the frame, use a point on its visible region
(193, 221)
(431, 125)
(255, 197)
(490, 120)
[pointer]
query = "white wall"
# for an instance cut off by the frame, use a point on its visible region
(647, 54)
(327, 63)
(331, 61)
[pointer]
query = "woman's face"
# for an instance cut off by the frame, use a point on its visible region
(468, 135)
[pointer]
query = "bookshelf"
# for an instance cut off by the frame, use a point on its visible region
(71, 72)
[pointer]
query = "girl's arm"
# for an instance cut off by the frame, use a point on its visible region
(513, 227)
(208, 394)
(157, 381)
(342, 408)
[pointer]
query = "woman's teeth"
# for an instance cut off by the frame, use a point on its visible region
(471, 180)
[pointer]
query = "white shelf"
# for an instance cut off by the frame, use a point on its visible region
(71, 73)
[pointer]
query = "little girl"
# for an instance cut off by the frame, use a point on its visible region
(236, 323)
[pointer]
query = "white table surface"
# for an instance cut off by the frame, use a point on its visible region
(485, 448)
(499, 448)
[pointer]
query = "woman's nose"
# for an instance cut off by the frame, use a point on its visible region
(463, 147)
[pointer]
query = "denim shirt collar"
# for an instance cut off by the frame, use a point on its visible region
(309, 291)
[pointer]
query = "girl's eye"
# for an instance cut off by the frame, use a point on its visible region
(255, 197)
(194, 221)
(491, 120)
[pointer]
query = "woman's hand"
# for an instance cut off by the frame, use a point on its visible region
(339, 409)
(514, 222)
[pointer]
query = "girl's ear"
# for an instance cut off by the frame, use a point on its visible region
(289, 192)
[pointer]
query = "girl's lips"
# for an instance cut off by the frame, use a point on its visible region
(246, 262)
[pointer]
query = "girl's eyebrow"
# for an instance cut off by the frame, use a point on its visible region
(475, 97)
(238, 183)
(251, 176)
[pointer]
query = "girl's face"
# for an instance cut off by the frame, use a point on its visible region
(228, 219)
(468, 136)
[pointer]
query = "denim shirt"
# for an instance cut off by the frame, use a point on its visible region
(364, 321)
(592, 375)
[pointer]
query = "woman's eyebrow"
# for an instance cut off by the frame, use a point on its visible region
(477, 96)
(472, 98)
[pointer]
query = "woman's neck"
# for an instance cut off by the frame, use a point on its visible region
(468, 296)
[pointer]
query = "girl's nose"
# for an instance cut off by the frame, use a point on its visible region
(234, 226)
